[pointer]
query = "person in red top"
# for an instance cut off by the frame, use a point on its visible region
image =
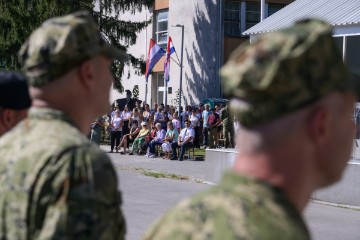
(213, 122)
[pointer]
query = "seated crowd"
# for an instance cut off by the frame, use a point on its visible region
(161, 128)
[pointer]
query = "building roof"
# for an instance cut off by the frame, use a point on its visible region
(335, 12)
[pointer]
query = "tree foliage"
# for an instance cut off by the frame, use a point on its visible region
(18, 18)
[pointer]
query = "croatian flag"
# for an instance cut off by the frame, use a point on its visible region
(169, 50)
(154, 55)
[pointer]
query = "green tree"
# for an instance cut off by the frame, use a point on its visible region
(18, 18)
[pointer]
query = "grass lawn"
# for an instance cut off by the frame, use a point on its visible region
(199, 154)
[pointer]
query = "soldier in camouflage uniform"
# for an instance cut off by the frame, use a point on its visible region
(294, 99)
(228, 126)
(54, 184)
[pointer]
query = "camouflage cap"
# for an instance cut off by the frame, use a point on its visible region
(62, 43)
(284, 71)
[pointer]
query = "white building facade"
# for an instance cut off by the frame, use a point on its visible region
(202, 52)
(212, 30)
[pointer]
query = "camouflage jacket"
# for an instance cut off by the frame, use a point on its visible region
(225, 116)
(239, 208)
(54, 184)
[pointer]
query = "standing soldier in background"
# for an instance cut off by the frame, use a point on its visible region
(14, 100)
(54, 184)
(228, 127)
(96, 131)
(293, 97)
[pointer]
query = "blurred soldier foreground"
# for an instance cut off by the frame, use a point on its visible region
(293, 97)
(14, 100)
(53, 183)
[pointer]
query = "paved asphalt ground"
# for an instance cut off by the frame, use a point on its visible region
(146, 198)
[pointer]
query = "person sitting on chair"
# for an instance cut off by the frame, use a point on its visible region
(185, 140)
(129, 138)
(157, 140)
(140, 139)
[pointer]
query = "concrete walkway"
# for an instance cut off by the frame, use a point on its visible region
(191, 168)
(147, 198)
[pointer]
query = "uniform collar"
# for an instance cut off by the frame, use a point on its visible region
(50, 114)
(238, 183)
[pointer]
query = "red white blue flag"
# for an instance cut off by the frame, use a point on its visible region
(169, 50)
(154, 55)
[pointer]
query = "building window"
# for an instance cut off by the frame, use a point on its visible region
(158, 91)
(273, 8)
(352, 52)
(339, 41)
(240, 15)
(232, 26)
(162, 28)
(252, 14)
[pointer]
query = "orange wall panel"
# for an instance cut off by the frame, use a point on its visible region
(159, 67)
(161, 4)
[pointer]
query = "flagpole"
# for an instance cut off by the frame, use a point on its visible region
(177, 56)
(165, 101)
(146, 49)
(175, 61)
(181, 64)
(146, 91)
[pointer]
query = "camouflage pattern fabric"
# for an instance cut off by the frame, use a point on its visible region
(62, 43)
(284, 71)
(224, 115)
(54, 184)
(239, 208)
(228, 126)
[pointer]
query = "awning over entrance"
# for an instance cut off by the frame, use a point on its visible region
(344, 15)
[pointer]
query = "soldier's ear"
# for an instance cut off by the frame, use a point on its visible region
(85, 74)
(318, 125)
(7, 118)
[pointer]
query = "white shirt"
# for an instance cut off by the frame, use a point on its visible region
(125, 115)
(194, 121)
(116, 122)
(186, 133)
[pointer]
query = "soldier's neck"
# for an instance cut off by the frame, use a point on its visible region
(287, 176)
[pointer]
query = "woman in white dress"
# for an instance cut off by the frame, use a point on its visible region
(116, 127)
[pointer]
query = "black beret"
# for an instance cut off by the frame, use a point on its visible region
(14, 93)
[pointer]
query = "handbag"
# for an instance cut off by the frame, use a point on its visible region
(147, 138)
